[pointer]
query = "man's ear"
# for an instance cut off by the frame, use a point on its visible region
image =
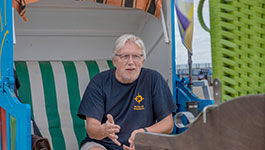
(143, 61)
(114, 61)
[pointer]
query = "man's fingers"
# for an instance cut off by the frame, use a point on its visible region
(111, 131)
(116, 142)
(131, 139)
(111, 128)
(113, 136)
(131, 142)
(127, 148)
(114, 126)
(110, 118)
(132, 146)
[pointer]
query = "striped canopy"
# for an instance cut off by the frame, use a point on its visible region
(20, 6)
(151, 6)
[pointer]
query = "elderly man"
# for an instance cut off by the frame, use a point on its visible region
(125, 100)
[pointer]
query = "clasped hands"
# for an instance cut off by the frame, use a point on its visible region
(110, 129)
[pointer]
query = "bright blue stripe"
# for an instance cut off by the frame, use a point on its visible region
(173, 55)
(173, 51)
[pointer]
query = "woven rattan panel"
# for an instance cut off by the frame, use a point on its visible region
(238, 46)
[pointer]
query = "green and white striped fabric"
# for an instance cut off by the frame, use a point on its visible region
(54, 90)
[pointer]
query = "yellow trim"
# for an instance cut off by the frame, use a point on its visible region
(1, 21)
(190, 16)
(180, 26)
(2, 49)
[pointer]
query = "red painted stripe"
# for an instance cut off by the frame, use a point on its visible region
(3, 129)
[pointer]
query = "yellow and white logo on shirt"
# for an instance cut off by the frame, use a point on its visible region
(138, 99)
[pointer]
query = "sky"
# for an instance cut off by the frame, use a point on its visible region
(201, 40)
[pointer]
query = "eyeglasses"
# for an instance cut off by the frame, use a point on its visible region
(127, 57)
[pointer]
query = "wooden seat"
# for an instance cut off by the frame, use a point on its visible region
(238, 124)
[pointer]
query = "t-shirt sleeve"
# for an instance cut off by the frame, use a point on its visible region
(92, 104)
(163, 102)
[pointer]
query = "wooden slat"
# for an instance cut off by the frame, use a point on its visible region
(3, 129)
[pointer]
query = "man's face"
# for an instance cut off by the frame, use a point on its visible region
(128, 62)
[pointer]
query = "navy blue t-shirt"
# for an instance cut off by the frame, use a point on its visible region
(136, 105)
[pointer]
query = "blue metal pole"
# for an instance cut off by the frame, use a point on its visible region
(173, 56)
(6, 51)
(173, 50)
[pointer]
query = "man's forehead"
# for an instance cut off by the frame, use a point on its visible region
(130, 46)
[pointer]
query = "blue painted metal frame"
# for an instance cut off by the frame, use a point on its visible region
(173, 50)
(22, 113)
(6, 52)
(181, 92)
(8, 100)
(184, 94)
(173, 53)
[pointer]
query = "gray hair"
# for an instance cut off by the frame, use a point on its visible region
(120, 42)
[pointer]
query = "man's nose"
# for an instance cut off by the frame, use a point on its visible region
(130, 60)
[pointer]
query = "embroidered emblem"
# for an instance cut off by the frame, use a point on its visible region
(138, 98)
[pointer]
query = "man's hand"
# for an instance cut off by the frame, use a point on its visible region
(128, 148)
(109, 130)
(131, 140)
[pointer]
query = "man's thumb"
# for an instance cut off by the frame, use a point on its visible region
(110, 118)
